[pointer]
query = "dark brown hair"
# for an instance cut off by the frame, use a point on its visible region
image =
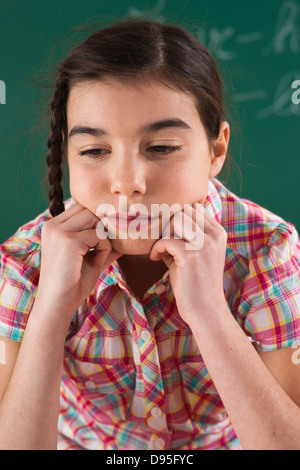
(134, 50)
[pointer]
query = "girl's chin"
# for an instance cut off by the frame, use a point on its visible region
(133, 247)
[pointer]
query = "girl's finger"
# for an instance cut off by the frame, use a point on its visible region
(187, 225)
(166, 247)
(83, 219)
(210, 221)
(68, 213)
(89, 240)
(103, 256)
(112, 256)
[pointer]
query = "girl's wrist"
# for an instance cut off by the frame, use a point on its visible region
(54, 317)
(208, 312)
(213, 323)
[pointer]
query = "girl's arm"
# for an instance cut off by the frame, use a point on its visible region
(30, 405)
(262, 413)
(259, 404)
(69, 272)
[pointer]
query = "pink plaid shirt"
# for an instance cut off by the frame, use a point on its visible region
(133, 375)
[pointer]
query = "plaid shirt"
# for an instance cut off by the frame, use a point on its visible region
(133, 375)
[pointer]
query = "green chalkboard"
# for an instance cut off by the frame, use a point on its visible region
(256, 44)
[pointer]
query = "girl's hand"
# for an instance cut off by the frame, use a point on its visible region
(196, 267)
(69, 270)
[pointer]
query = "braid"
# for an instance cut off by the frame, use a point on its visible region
(54, 162)
(54, 143)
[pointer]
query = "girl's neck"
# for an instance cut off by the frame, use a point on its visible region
(141, 272)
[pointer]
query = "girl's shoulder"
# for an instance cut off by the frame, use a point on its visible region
(29, 234)
(20, 254)
(20, 258)
(251, 227)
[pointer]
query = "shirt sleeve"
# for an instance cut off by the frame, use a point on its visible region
(19, 275)
(270, 301)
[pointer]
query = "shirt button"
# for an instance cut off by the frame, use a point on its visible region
(90, 384)
(156, 411)
(160, 289)
(146, 335)
(158, 443)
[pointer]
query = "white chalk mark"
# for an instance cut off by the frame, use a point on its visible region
(249, 96)
(282, 105)
(286, 28)
(249, 37)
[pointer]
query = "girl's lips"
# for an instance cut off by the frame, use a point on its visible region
(124, 222)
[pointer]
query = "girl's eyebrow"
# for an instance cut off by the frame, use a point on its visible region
(156, 126)
(152, 127)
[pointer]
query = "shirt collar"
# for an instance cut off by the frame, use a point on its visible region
(113, 274)
(213, 203)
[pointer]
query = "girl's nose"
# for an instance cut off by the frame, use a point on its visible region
(128, 176)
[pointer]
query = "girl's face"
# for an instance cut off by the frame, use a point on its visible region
(145, 143)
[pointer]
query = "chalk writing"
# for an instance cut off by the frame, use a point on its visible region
(154, 12)
(214, 40)
(222, 42)
(282, 105)
(286, 35)
(287, 32)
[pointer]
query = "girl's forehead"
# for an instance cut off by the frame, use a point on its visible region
(116, 88)
(111, 96)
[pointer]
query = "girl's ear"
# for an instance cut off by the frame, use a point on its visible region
(219, 149)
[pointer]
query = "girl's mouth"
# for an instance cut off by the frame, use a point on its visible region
(130, 222)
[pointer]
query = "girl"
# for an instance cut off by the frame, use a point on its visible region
(121, 342)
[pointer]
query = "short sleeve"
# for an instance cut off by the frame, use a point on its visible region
(19, 276)
(270, 300)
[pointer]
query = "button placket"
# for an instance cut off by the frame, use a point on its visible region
(160, 289)
(145, 335)
(90, 384)
(156, 419)
(156, 443)
(156, 411)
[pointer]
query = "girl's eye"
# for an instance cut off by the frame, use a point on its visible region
(163, 149)
(93, 153)
(157, 149)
